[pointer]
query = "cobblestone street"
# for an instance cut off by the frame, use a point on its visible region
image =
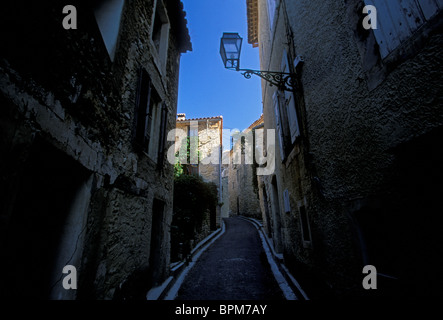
(235, 267)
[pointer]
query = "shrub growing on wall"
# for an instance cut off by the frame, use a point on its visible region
(192, 199)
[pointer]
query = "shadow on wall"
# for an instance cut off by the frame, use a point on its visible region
(401, 236)
(41, 205)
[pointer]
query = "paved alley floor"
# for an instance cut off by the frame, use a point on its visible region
(234, 267)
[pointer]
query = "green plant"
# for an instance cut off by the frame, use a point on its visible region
(178, 166)
(193, 198)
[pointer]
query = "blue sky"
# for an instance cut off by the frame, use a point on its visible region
(206, 88)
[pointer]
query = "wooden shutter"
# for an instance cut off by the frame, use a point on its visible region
(142, 113)
(291, 112)
(162, 135)
(397, 20)
(430, 7)
(150, 114)
(278, 125)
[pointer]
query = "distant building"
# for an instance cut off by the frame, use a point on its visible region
(205, 153)
(84, 177)
(243, 183)
(358, 142)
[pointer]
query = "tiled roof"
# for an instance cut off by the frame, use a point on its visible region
(180, 24)
(257, 122)
(252, 12)
(198, 119)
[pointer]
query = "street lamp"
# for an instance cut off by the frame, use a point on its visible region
(230, 48)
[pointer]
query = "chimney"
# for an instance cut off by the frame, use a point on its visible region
(181, 116)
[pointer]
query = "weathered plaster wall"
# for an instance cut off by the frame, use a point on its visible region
(354, 121)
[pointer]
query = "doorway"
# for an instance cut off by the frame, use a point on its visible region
(51, 183)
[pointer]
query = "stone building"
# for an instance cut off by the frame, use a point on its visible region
(358, 142)
(243, 183)
(84, 177)
(205, 155)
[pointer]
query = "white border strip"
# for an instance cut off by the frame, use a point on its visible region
(155, 293)
(284, 286)
(172, 293)
(289, 294)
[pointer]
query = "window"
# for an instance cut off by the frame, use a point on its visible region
(143, 102)
(243, 146)
(193, 145)
(191, 165)
(285, 115)
(289, 103)
(154, 128)
(151, 119)
(160, 33)
(398, 20)
(163, 134)
(193, 129)
(108, 15)
(286, 201)
(305, 226)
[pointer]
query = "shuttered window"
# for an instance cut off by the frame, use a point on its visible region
(143, 110)
(397, 20)
(286, 201)
(289, 106)
(162, 136)
(286, 115)
(151, 116)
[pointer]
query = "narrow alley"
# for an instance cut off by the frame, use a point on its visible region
(191, 150)
(234, 267)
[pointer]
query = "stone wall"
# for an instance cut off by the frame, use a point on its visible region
(62, 93)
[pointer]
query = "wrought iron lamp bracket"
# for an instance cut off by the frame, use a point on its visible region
(283, 81)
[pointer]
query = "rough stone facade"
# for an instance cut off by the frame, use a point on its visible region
(77, 185)
(357, 186)
(208, 162)
(243, 183)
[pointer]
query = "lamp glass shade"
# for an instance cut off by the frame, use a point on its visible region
(230, 48)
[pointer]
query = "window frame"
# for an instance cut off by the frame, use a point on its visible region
(305, 224)
(286, 114)
(151, 118)
(143, 110)
(290, 104)
(163, 135)
(160, 54)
